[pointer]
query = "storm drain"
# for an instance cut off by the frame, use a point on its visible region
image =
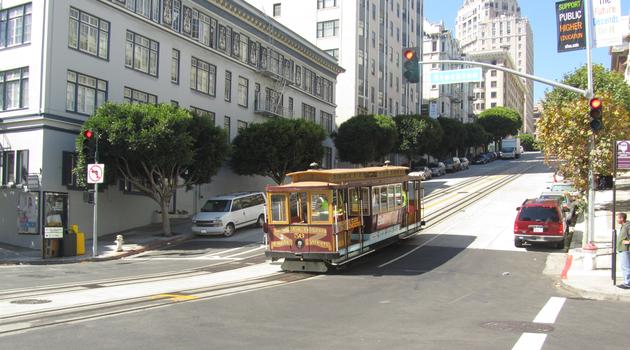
(518, 327)
(31, 301)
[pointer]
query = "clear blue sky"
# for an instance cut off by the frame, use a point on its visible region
(548, 63)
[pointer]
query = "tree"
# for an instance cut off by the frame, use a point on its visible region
(500, 122)
(476, 135)
(277, 147)
(431, 136)
(528, 142)
(157, 148)
(564, 132)
(454, 135)
(366, 138)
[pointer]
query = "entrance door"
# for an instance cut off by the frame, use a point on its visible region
(55, 222)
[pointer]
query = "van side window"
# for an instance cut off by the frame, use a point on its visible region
(237, 204)
(259, 199)
(246, 202)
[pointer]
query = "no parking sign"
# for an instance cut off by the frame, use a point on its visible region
(95, 173)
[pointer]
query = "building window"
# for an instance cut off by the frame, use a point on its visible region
(174, 103)
(137, 96)
(243, 90)
(493, 84)
(175, 67)
(14, 89)
(327, 28)
(68, 177)
(493, 94)
(277, 10)
(145, 8)
(141, 54)
(333, 52)
(227, 121)
(493, 73)
(240, 125)
(14, 167)
(203, 113)
(88, 34)
(228, 86)
(290, 108)
(203, 76)
(84, 93)
(15, 26)
(326, 121)
(308, 112)
(322, 4)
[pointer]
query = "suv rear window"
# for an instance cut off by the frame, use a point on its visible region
(539, 214)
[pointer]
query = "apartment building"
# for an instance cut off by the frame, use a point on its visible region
(367, 37)
(488, 25)
(59, 60)
(447, 100)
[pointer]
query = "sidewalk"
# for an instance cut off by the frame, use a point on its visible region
(597, 283)
(136, 241)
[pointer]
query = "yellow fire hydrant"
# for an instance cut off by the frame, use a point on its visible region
(119, 243)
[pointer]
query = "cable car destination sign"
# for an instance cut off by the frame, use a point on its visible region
(571, 25)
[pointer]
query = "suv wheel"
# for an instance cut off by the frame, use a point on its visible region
(229, 230)
(518, 243)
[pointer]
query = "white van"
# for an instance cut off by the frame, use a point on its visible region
(224, 214)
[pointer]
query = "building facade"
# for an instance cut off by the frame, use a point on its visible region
(488, 25)
(447, 100)
(619, 54)
(367, 37)
(59, 60)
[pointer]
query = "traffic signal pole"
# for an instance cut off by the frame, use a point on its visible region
(95, 222)
(590, 229)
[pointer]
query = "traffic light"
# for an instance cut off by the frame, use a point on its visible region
(411, 69)
(595, 112)
(89, 145)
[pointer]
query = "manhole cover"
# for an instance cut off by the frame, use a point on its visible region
(30, 301)
(518, 327)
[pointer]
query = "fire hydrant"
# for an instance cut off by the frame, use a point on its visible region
(119, 243)
(589, 256)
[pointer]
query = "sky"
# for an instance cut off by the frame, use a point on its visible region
(548, 63)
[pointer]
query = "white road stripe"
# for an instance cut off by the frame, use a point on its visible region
(550, 311)
(530, 341)
(245, 252)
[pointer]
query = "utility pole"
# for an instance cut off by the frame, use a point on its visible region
(590, 228)
(95, 222)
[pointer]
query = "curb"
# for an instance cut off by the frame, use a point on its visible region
(149, 246)
(593, 295)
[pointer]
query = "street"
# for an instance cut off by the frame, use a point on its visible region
(459, 284)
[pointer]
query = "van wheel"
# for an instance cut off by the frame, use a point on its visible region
(229, 230)
(261, 221)
(518, 243)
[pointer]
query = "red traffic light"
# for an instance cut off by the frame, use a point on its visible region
(409, 55)
(88, 134)
(596, 103)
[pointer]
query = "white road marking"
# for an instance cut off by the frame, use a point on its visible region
(245, 252)
(550, 311)
(409, 252)
(530, 341)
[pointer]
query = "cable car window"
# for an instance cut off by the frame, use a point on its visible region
(398, 193)
(320, 203)
(383, 199)
(375, 195)
(279, 208)
(391, 203)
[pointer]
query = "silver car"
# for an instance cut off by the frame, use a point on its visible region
(438, 169)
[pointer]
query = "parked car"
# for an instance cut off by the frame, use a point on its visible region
(452, 164)
(437, 169)
(224, 214)
(564, 198)
(424, 172)
(540, 220)
(465, 162)
(480, 159)
(565, 187)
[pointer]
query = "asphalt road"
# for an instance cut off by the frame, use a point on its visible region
(459, 285)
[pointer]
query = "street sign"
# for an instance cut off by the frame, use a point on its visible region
(570, 19)
(53, 232)
(456, 76)
(623, 154)
(607, 26)
(95, 173)
(32, 182)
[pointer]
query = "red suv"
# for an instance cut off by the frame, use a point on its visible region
(540, 220)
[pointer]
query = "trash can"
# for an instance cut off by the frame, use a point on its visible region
(69, 244)
(80, 239)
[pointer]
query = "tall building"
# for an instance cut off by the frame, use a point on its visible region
(59, 60)
(488, 25)
(368, 38)
(447, 100)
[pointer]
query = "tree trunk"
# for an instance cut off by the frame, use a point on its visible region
(166, 222)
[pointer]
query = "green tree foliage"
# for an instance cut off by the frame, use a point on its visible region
(454, 135)
(564, 132)
(417, 135)
(476, 135)
(158, 149)
(500, 122)
(277, 147)
(366, 138)
(528, 142)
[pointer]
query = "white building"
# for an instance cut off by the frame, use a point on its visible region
(60, 59)
(487, 25)
(447, 100)
(367, 37)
